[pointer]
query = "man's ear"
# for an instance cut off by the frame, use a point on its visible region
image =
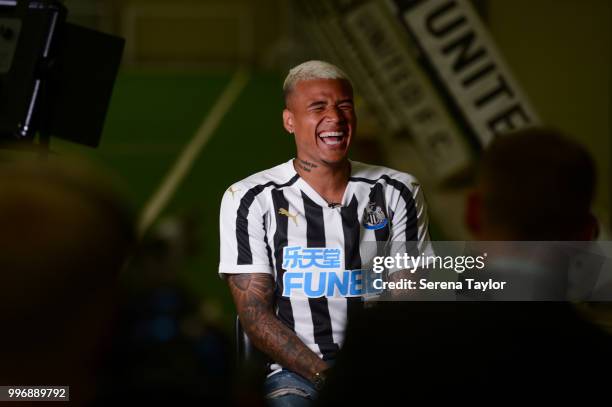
(473, 212)
(288, 121)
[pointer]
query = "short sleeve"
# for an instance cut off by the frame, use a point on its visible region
(242, 229)
(410, 222)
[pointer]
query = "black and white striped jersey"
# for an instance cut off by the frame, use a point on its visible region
(274, 222)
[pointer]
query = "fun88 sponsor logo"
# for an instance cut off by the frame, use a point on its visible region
(316, 272)
(348, 283)
(298, 257)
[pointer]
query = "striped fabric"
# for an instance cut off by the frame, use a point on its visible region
(274, 222)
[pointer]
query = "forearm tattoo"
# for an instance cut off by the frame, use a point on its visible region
(254, 298)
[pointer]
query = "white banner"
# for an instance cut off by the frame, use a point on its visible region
(406, 90)
(464, 57)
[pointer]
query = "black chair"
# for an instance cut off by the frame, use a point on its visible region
(250, 361)
(245, 350)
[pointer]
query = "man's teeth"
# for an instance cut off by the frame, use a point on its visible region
(331, 138)
(326, 134)
(332, 141)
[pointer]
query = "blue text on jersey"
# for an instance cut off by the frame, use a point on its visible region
(347, 283)
(298, 257)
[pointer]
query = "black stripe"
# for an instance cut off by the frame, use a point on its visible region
(268, 250)
(315, 228)
(285, 312)
(245, 256)
(352, 259)
(412, 226)
(366, 180)
(351, 229)
(319, 307)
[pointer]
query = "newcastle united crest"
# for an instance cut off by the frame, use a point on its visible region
(374, 217)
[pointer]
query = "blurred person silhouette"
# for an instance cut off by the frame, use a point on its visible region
(65, 234)
(170, 345)
(533, 185)
(539, 185)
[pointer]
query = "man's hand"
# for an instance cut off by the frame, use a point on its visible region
(254, 298)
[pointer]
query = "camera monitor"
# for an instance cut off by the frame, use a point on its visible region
(56, 78)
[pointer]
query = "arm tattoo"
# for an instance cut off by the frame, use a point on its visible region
(254, 298)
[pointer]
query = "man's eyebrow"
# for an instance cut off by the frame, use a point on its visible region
(317, 103)
(346, 101)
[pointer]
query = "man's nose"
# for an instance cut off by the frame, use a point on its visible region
(335, 114)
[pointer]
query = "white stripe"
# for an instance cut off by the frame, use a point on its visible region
(303, 326)
(185, 161)
(296, 236)
(334, 238)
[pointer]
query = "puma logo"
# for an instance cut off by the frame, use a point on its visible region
(285, 212)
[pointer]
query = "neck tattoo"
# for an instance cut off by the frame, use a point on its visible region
(306, 165)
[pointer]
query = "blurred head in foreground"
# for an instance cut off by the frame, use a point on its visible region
(65, 235)
(535, 184)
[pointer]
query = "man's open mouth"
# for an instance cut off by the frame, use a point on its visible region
(332, 138)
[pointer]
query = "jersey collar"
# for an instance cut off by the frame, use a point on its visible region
(314, 195)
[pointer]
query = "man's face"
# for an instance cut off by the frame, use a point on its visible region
(321, 114)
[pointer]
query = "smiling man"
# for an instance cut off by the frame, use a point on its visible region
(294, 238)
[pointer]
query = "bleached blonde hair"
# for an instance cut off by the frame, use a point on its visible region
(310, 70)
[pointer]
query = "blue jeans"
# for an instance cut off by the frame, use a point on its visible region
(288, 389)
